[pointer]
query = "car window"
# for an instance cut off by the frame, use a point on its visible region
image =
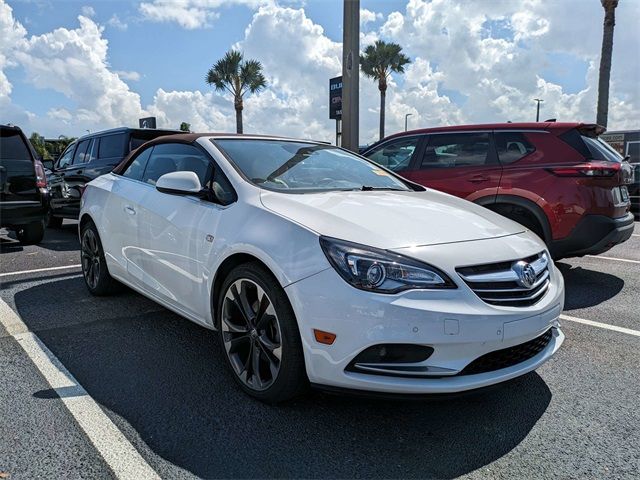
(81, 152)
(395, 155)
(299, 167)
(13, 147)
(66, 157)
(136, 168)
(601, 150)
(512, 146)
(456, 150)
(176, 157)
(112, 146)
(92, 151)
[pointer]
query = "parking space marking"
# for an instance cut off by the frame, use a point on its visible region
(122, 457)
(37, 270)
(614, 258)
(606, 326)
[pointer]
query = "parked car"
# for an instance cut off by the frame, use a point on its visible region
(316, 265)
(557, 179)
(24, 199)
(85, 159)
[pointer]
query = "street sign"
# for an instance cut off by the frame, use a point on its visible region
(335, 98)
(147, 122)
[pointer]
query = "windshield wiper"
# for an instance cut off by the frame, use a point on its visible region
(369, 188)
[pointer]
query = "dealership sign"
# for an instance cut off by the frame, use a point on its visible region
(147, 122)
(335, 98)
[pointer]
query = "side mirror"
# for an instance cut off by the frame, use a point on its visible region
(179, 183)
(48, 164)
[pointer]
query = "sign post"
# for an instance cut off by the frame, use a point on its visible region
(335, 105)
(350, 74)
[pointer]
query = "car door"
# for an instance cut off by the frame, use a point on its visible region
(121, 220)
(55, 179)
(177, 231)
(75, 176)
(66, 201)
(461, 164)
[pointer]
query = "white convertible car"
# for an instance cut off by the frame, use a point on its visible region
(319, 267)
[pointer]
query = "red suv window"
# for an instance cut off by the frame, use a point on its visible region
(457, 150)
(512, 146)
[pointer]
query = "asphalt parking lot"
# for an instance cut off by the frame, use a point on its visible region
(160, 380)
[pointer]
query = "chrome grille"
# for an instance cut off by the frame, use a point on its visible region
(517, 283)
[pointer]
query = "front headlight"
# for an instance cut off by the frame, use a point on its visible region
(381, 271)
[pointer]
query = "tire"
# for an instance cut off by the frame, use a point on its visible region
(54, 222)
(94, 266)
(31, 233)
(245, 334)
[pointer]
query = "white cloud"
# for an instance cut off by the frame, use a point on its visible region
(190, 14)
(367, 16)
(12, 35)
(88, 11)
(117, 23)
(124, 75)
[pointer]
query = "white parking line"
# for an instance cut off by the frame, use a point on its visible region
(613, 258)
(606, 326)
(123, 459)
(48, 269)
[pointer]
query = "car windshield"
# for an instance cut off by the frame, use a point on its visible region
(298, 167)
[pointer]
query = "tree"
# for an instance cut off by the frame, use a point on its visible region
(237, 76)
(378, 62)
(605, 60)
(185, 127)
(39, 145)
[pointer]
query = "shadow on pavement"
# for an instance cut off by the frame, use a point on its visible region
(165, 376)
(63, 239)
(586, 288)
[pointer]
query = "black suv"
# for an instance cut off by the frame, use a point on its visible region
(88, 158)
(24, 199)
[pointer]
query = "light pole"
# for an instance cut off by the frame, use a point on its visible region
(350, 75)
(538, 108)
(406, 117)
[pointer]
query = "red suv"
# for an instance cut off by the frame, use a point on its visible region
(557, 179)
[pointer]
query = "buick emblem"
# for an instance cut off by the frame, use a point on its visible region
(526, 274)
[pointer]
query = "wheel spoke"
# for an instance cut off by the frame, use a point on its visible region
(236, 342)
(246, 304)
(263, 307)
(236, 298)
(255, 364)
(233, 327)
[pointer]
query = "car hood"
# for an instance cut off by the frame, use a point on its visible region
(387, 219)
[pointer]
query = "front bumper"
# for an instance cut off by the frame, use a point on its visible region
(455, 323)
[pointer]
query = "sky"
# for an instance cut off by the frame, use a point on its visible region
(70, 66)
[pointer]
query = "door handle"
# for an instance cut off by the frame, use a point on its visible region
(478, 179)
(79, 172)
(130, 210)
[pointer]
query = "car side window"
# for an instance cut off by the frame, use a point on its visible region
(456, 150)
(92, 151)
(81, 152)
(395, 155)
(176, 157)
(112, 146)
(512, 146)
(136, 168)
(66, 157)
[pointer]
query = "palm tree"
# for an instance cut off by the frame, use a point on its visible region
(237, 76)
(605, 60)
(378, 61)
